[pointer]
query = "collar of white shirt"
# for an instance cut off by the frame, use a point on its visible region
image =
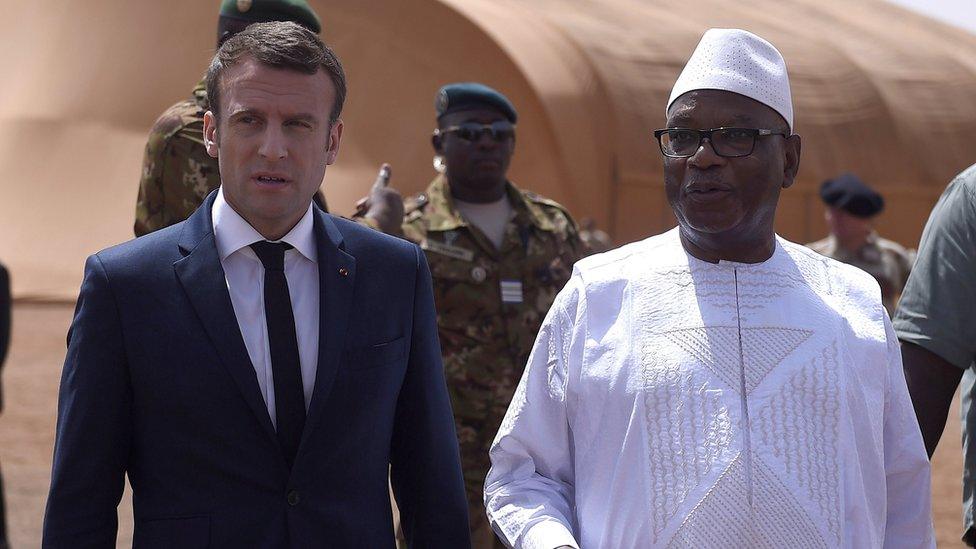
(232, 232)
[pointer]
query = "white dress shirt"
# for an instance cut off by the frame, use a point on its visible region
(670, 402)
(245, 282)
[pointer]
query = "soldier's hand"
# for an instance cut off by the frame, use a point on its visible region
(384, 205)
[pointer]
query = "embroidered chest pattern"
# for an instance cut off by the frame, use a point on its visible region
(693, 426)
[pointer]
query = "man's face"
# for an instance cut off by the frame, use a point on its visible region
(480, 164)
(715, 195)
(273, 140)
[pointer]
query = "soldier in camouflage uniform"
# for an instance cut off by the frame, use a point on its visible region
(177, 172)
(851, 205)
(494, 281)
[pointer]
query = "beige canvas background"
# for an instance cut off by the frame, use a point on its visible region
(879, 90)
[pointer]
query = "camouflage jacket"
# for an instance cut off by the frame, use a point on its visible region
(887, 261)
(490, 303)
(177, 172)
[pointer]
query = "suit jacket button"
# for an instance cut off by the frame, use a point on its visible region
(293, 497)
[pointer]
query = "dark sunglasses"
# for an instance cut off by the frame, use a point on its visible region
(500, 130)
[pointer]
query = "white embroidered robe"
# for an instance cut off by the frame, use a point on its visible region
(670, 402)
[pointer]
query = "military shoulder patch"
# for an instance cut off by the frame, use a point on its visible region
(175, 119)
(546, 202)
(553, 210)
(539, 199)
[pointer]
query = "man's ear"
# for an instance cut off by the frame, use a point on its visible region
(210, 133)
(791, 160)
(435, 140)
(335, 137)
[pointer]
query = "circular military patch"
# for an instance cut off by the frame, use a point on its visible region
(479, 274)
(244, 5)
(441, 102)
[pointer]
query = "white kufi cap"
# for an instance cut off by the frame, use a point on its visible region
(738, 61)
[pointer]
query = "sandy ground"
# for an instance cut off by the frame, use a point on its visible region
(31, 379)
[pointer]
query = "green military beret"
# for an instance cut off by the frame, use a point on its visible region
(471, 95)
(260, 11)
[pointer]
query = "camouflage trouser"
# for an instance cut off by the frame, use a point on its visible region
(475, 465)
(476, 432)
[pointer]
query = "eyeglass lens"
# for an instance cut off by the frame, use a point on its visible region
(471, 131)
(725, 141)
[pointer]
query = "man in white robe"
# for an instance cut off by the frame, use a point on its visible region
(715, 385)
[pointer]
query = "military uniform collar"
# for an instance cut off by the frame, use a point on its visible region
(442, 215)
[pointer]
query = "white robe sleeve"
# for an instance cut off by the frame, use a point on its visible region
(907, 469)
(529, 493)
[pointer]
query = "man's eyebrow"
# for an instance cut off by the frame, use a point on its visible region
(299, 117)
(303, 117)
(245, 111)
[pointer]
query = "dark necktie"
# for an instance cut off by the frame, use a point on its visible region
(285, 364)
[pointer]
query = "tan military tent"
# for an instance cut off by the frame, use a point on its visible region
(878, 90)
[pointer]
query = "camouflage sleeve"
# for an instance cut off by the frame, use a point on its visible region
(414, 232)
(571, 231)
(413, 227)
(149, 204)
(572, 248)
(177, 172)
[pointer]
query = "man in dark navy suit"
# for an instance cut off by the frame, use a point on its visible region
(259, 369)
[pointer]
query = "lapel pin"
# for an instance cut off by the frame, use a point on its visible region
(343, 271)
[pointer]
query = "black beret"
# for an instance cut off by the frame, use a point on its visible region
(262, 11)
(471, 95)
(847, 192)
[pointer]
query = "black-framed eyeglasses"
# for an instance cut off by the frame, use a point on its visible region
(727, 142)
(499, 130)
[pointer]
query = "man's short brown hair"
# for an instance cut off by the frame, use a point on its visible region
(278, 44)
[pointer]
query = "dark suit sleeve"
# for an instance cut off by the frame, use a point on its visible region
(94, 426)
(425, 463)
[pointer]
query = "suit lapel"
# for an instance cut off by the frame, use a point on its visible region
(337, 277)
(202, 277)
